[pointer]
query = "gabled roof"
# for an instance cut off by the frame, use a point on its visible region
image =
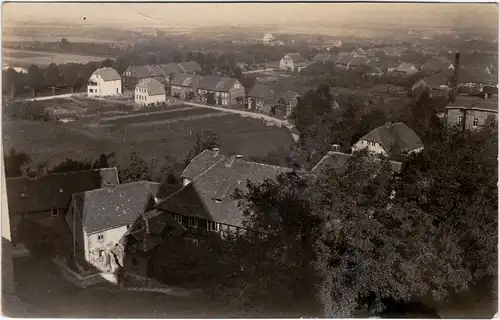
(215, 83)
(476, 76)
(208, 196)
(394, 135)
(474, 103)
(152, 86)
(149, 71)
(324, 57)
(296, 57)
(54, 191)
(344, 60)
(337, 161)
(112, 207)
(288, 96)
(190, 67)
(186, 80)
(436, 64)
(107, 74)
(202, 162)
(170, 68)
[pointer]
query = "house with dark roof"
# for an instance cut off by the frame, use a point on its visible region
(273, 100)
(337, 161)
(390, 140)
(150, 92)
(184, 86)
(472, 80)
(351, 62)
(204, 205)
(220, 90)
(293, 62)
(472, 113)
(437, 65)
(134, 74)
(46, 198)
(437, 85)
(406, 69)
(324, 58)
(100, 218)
(163, 72)
(104, 82)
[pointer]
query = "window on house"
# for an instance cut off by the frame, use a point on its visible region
(475, 122)
(134, 262)
(212, 226)
(100, 237)
(129, 226)
(101, 253)
(193, 222)
(55, 212)
(460, 120)
(493, 123)
(91, 90)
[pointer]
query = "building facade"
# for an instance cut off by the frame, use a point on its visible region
(472, 113)
(150, 92)
(104, 82)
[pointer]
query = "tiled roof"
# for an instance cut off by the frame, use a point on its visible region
(141, 72)
(436, 64)
(296, 57)
(186, 80)
(201, 163)
(394, 135)
(152, 86)
(324, 57)
(288, 96)
(54, 191)
(209, 195)
(476, 76)
(474, 103)
(107, 74)
(190, 67)
(406, 67)
(112, 207)
(344, 60)
(170, 68)
(334, 160)
(215, 83)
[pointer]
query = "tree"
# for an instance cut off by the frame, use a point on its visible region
(65, 44)
(106, 63)
(16, 163)
(11, 81)
(210, 98)
(52, 75)
(133, 168)
(69, 165)
(35, 78)
(203, 140)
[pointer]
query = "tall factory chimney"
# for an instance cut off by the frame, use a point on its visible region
(455, 77)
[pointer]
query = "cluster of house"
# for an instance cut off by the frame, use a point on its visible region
(130, 222)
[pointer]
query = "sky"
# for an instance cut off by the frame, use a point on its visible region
(248, 14)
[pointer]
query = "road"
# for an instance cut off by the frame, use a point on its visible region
(59, 96)
(243, 113)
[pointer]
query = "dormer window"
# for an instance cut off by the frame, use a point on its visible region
(61, 190)
(100, 237)
(218, 200)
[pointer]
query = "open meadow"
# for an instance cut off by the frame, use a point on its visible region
(153, 134)
(25, 58)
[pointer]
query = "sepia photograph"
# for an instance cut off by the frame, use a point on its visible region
(249, 160)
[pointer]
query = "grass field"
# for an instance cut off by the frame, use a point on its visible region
(21, 58)
(169, 132)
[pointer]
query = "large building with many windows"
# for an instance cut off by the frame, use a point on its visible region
(472, 113)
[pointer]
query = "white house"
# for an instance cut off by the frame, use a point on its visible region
(389, 140)
(100, 218)
(293, 62)
(149, 92)
(104, 82)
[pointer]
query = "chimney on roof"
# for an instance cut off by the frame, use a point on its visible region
(216, 151)
(455, 77)
(388, 124)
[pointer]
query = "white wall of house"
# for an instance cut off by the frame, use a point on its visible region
(103, 88)
(146, 100)
(372, 147)
(99, 244)
(286, 63)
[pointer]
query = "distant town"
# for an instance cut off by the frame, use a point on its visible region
(153, 173)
